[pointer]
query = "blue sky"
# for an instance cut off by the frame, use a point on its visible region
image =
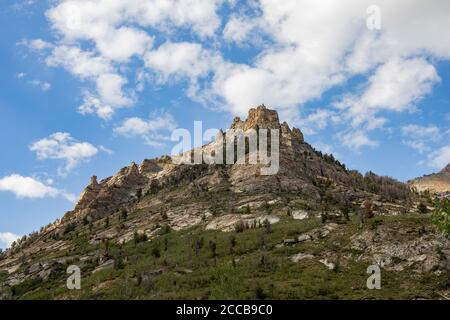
(86, 87)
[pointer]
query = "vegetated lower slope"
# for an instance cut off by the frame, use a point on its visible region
(161, 230)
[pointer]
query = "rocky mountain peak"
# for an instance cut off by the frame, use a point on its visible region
(262, 117)
(259, 116)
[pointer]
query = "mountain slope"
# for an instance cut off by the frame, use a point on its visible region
(436, 182)
(155, 225)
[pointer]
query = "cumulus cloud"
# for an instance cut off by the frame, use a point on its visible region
(84, 64)
(318, 46)
(98, 70)
(63, 146)
(241, 29)
(111, 33)
(92, 20)
(308, 49)
(7, 238)
(28, 187)
(396, 86)
(151, 130)
(179, 59)
(123, 43)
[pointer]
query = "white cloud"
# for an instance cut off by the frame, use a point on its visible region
(440, 158)
(36, 44)
(62, 146)
(240, 29)
(109, 87)
(92, 20)
(83, 64)
(308, 48)
(28, 187)
(317, 46)
(396, 86)
(123, 43)
(420, 138)
(417, 145)
(106, 150)
(421, 132)
(113, 32)
(178, 60)
(43, 85)
(316, 120)
(93, 104)
(354, 140)
(148, 129)
(7, 238)
(97, 69)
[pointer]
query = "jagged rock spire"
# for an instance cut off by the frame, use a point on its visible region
(262, 117)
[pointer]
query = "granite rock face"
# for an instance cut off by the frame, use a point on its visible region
(108, 195)
(302, 169)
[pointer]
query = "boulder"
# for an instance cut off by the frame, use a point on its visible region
(300, 256)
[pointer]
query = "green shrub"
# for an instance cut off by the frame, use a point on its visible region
(165, 229)
(26, 286)
(422, 208)
(240, 226)
(123, 214)
(139, 237)
(441, 216)
(268, 226)
(156, 253)
(69, 228)
(213, 248)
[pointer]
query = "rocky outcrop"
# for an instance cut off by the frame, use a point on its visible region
(88, 195)
(400, 247)
(258, 117)
(99, 199)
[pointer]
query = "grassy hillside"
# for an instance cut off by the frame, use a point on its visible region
(252, 264)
